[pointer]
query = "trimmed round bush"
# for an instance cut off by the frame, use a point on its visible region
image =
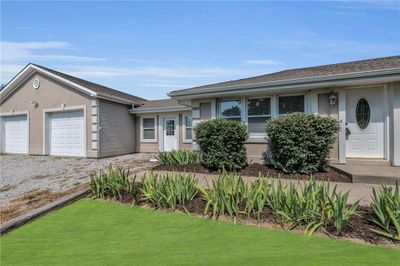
(300, 143)
(222, 143)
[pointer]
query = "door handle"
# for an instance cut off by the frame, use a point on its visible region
(348, 132)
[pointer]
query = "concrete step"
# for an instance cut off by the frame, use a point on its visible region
(370, 174)
(361, 161)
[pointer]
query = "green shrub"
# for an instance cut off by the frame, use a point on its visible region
(114, 183)
(222, 143)
(170, 190)
(300, 143)
(179, 157)
(386, 207)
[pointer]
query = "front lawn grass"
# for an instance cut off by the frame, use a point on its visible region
(106, 233)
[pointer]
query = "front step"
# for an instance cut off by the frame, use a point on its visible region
(371, 174)
(363, 161)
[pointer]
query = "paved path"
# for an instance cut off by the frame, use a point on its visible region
(358, 191)
(20, 174)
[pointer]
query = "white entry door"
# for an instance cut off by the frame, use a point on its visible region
(15, 134)
(170, 133)
(67, 134)
(365, 119)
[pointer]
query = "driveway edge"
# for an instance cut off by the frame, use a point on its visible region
(21, 220)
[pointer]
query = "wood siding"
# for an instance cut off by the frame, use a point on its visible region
(117, 129)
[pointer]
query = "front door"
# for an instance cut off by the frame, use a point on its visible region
(365, 123)
(170, 133)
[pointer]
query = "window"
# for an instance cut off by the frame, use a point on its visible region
(148, 129)
(363, 114)
(258, 113)
(188, 128)
(291, 104)
(230, 110)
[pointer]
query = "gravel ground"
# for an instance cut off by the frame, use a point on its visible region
(24, 173)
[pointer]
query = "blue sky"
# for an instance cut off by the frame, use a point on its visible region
(151, 48)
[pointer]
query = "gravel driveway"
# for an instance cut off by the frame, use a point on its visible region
(24, 173)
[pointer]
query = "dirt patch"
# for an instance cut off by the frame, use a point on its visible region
(33, 200)
(256, 169)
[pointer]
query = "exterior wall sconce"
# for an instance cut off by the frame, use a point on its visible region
(332, 99)
(35, 104)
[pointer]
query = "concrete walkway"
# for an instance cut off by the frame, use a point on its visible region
(358, 191)
(372, 174)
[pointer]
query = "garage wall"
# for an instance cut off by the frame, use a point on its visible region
(117, 129)
(51, 94)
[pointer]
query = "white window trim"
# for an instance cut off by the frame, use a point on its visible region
(305, 107)
(185, 140)
(258, 135)
(142, 139)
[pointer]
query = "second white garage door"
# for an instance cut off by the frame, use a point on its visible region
(67, 133)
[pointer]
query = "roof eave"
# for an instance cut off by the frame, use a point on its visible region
(159, 110)
(301, 83)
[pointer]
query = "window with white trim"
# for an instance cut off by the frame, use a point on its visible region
(258, 113)
(149, 128)
(231, 109)
(291, 104)
(188, 128)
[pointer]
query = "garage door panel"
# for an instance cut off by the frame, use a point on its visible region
(16, 134)
(67, 134)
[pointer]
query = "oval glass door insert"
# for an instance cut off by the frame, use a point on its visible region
(363, 113)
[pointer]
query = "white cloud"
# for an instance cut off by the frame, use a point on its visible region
(12, 52)
(165, 72)
(263, 62)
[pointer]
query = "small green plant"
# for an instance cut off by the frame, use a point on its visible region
(170, 190)
(114, 183)
(224, 195)
(255, 196)
(341, 212)
(386, 207)
(179, 157)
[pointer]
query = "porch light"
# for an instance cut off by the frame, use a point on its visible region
(332, 99)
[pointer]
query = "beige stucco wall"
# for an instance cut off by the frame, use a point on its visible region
(117, 129)
(51, 94)
(332, 111)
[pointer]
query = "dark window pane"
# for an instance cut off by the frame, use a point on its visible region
(149, 134)
(259, 106)
(230, 108)
(188, 121)
(148, 122)
(291, 104)
(363, 113)
(257, 124)
(188, 133)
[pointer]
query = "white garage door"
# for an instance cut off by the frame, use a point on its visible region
(16, 134)
(67, 134)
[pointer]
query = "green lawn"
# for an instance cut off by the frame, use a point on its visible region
(106, 233)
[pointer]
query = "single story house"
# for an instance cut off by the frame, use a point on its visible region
(364, 96)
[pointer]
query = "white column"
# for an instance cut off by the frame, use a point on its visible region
(274, 107)
(396, 124)
(312, 103)
(342, 123)
(213, 108)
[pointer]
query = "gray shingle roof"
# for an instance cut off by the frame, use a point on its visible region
(307, 72)
(164, 103)
(94, 86)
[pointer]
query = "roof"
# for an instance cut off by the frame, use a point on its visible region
(94, 86)
(160, 106)
(301, 73)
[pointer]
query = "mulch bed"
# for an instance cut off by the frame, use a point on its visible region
(358, 229)
(255, 169)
